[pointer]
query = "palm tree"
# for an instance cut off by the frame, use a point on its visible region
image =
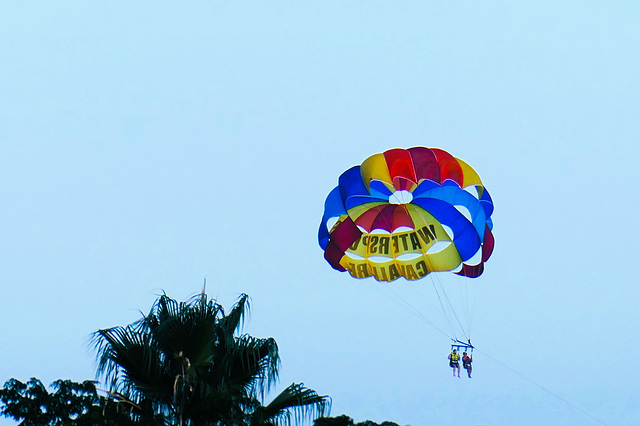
(185, 364)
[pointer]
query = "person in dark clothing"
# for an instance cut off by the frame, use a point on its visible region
(466, 363)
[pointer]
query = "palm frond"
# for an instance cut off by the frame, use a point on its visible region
(253, 363)
(234, 320)
(296, 403)
(191, 331)
(131, 362)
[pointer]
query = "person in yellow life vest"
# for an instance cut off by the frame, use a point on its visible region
(454, 362)
(466, 363)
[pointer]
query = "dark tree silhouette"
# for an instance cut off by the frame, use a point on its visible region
(186, 362)
(344, 420)
(71, 403)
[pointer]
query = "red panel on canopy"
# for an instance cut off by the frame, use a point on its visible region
(345, 234)
(401, 218)
(425, 164)
(471, 271)
(384, 220)
(487, 245)
(366, 219)
(333, 255)
(449, 166)
(400, 166)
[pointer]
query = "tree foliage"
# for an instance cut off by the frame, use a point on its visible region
(186, 362)
(344, 420)
(70, 404)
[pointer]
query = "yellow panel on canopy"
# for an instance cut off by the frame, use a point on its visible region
(375, 167)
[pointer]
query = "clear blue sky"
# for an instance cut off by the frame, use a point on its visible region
(148, 145)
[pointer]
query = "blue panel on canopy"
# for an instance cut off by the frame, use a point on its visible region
(465, 236)
(425, 185)
(351, 184)
(487, 203)
(379, 189)
(333, 207)
(454, 195)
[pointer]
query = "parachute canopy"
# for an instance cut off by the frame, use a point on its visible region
(408, 212)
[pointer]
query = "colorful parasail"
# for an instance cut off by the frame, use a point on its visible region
(407, 213)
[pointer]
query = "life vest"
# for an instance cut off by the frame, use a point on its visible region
(454, 357)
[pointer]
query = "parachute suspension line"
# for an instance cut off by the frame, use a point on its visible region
(464, 306)
(445, 312)
(453, 311)
(541, 387)
(428, 300)
(452, 333)
(467, 306)
(450, 306)
(461, 290)
(467, 296)
(473, 299)
(415, 311)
